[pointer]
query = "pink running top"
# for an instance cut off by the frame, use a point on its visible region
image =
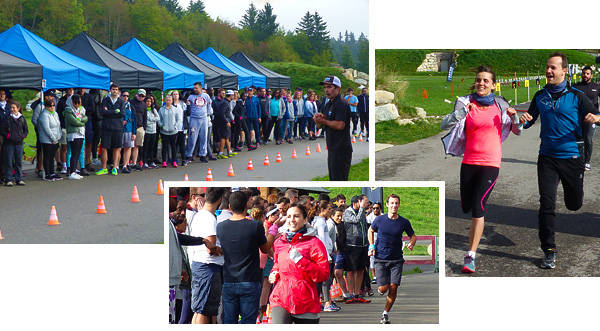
(483, 132)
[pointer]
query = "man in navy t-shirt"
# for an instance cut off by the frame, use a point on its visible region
(387, 250)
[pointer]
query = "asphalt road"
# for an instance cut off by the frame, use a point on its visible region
(417, 303)
(25, 211)
(510, 244)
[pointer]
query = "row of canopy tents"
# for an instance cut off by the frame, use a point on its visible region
(30, 62)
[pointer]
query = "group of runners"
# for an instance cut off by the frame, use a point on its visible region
(232, 253)
(481, 121)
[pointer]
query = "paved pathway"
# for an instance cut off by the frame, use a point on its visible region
(510, 245)
(417, 303)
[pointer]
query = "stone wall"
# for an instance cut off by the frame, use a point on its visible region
(433, 60)
(356, 76)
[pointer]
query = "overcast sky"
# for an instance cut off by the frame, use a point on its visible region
(340, 15)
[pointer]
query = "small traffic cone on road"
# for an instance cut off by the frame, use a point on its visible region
(318, 148)
(209, 177)
(360, 137)
(307, 151)
(160, 190)
(269, 317)
(267, 160)
(353, 140)
(230, 173)
(294, 156)
(278, 159)
(250, 165)
(186, 178)
(135, 197)
(53, 218)
(101, 208)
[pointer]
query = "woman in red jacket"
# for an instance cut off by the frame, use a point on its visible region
(300, 263)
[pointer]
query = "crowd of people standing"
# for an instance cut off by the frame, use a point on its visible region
(207, 124)
(233, 252)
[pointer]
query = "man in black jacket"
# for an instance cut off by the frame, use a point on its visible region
(336, 121)
(138, 107)
(363, 112)
(113, 111)
(592, 91)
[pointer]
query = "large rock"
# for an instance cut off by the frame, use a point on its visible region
(383, 97)
(348, 74)
(363, 75)
(421, 112)
(386, 112)
(361, 81)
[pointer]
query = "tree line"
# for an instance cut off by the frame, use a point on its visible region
(158, 23)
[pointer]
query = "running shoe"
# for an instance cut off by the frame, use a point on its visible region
(126, 170)
(63, 171)
(164, 164)
(203, 159)
(331, 308)
(115, 172)
(361, 299)
(374, 280)
(102, 172)
(95, 161)
(21, 183)
(137, 167)
(74, 176)
(10, 184)
(548, 260)
(350, 299)
(231, 153)
(153, 166)
(212, 158)
(84, 172)
(385, 319)
(49, 178)
(221, 156)
(174, 164)
(469, 266)
(370, 292)
(56, 177)
(588, 166)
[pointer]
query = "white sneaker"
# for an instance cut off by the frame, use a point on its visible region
(74, 176)
(63, 171)
(96, 162)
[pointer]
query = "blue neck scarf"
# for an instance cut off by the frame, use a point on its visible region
(290, 235)
(486, 100)
(557, 88)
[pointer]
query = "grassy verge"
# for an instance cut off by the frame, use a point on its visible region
(358, 172)
(390, 132)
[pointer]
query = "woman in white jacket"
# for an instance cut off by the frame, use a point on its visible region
(169, 122)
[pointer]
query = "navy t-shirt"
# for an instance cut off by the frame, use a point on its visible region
(240, 241)
(389, 236)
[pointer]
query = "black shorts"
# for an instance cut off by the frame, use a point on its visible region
(388, 271)
(111, 139)
(222, 131)
(356, 258)
(476, 184)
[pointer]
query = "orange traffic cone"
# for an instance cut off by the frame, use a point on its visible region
(209, 177)
(53, 218)
(353, 140)
(101, 208)
(265, 318)
(230, 173)
(307, 151)
(278, 160)
(135, 197)
(294, 156)
(318, 148)
(186, 178)
(360, 137)
(159, 189)
(269, 317)
(267, 160)
(250, 166)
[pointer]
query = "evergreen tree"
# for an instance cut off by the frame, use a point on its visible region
(248, 21)
(363, 55)
(320, 38)
(172, 6)
(306, 25)
(196, 6)
(347, 61)
(265, 24)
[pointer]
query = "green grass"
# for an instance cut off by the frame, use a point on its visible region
(390, 132)
(309, 76)
(358, 172)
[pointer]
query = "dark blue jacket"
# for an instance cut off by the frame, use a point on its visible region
(253, 107)
(562, 116)
(112, 121)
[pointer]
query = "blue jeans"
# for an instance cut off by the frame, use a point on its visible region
(13, 153)
(241, 299)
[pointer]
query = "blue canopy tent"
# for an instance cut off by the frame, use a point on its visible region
(245, 76)
(175, 76)
(60, 69)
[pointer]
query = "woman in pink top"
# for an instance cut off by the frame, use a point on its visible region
(484, 121)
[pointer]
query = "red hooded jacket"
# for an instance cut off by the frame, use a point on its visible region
(296, 289)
